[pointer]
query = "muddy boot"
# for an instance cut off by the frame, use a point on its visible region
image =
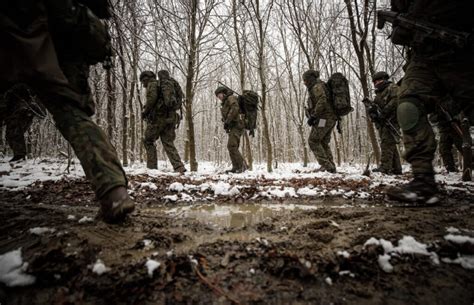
(396, 172)
(180, 170)
(17, 158)
(422, 190)
(115, 205)
(380, 170)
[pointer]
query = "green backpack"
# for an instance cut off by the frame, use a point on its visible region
(340, 97)
(248, 103)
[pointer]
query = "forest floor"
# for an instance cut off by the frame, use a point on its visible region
(290, 237)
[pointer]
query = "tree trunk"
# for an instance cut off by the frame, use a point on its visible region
(190, 86)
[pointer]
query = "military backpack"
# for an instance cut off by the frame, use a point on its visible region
(339, 94)
(248, 103)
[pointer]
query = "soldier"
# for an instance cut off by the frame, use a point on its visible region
(321, 118)
(18, 107)
(448, 137)
(436, 69)
(37, 49)
(386, 100)
(233, 125)
(162, 102)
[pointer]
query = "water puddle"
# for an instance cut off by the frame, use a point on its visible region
(233, 215)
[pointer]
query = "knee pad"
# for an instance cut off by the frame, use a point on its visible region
(408, 114)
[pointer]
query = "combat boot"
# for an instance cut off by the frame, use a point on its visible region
(115, 205)
(380, 170)
(17, 158)
(180, 170)
(422, 190)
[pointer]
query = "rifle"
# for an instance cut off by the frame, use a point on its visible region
(426, 29)
(463, 131)
(377, 118)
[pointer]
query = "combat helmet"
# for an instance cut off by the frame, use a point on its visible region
(380, 75)
(149, 74)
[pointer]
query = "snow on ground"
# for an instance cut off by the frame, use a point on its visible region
(12, 270)
(409, 245)
(210, 176)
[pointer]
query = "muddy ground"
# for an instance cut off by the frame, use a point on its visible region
(251, 255)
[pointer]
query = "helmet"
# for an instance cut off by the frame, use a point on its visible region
(163, 74)
(149, 74)
(380, 75)
(221, 89)
(311, 74)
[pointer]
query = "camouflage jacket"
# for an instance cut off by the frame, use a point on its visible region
(231, 112)
(387, 100)
(152, 99)
(319, 105)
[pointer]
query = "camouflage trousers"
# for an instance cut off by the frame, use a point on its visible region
(233, 143)
(94, 150)
(318, 141)
(426, 81)
(16, 127)
(163, 128)
(390, 158)
(448, 138)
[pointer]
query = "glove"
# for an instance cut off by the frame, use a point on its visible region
(144, 115)
(366, 100)
(226, 126)
(312, 121)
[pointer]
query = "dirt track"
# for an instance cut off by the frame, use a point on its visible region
(279, 257)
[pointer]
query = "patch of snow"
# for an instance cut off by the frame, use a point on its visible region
(41, 230)
(172, 198)
(71, 217)
(384, 263)
(151, 266)
(99, 267)
(176, 187)
(85, 219)
(466, 261)
(148, 185)
(344, 254)
(306, 191)
(12, 270)
(452, 230)
(328, 281)
(459, 239)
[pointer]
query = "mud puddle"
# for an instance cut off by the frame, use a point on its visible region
(235, 215)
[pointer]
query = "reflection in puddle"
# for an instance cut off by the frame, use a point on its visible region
(235, 216)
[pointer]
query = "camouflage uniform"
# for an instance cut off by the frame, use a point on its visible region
(448, 137)
(161, 123)
(234, 126)
(17, 110)
(435, 70)
(386, 99)
(45, 62)
(322, 120)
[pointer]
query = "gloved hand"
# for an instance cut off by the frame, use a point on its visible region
(312, 121)
(144, 115)
(226, 126)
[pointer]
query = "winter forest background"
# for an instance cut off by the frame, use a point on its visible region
(263, 45)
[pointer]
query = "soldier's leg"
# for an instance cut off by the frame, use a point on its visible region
(388, 150)
(396, 162)
(15, 135)
(327, 149)
(318, 142)
(96, 153)
(151, 135)
(167, 136)
(446, 149)
(419, 83)
(233, 144)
